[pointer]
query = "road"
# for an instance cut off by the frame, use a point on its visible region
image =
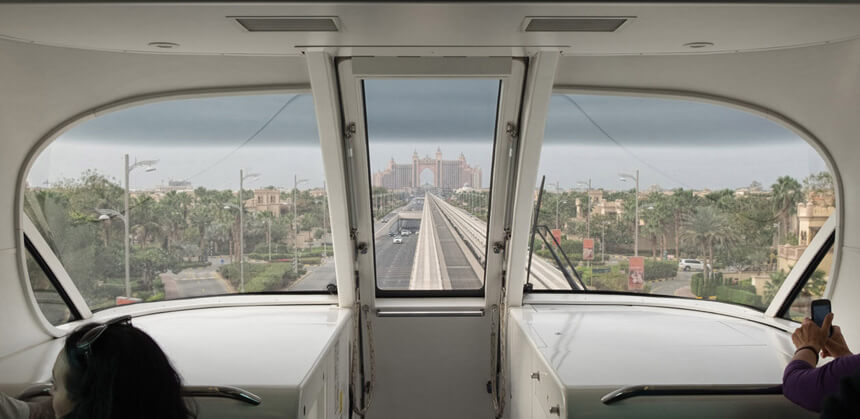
(673, 286)
(196, 282)
(317, 278)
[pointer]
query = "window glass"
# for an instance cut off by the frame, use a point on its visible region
(726, 201)
(50, 301)
(814, 288)
(430, 150)
(180, 164)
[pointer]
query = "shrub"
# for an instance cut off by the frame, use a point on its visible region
(738, 296)
(655, 269)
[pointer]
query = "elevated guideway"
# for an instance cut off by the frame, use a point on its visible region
(473, 231)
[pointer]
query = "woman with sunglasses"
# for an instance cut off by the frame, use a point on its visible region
(110, 371)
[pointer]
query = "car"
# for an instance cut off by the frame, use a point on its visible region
(405, 233)
(391, 234)
(397, 240)
(691, 264)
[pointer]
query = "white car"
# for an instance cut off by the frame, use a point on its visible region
(691, 265)
(397, 240)
(405, 233)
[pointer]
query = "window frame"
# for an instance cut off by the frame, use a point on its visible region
(352, 72)
(25, 226)
(833, 226)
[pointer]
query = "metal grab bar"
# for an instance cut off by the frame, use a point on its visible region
(229, 392)
(690, 390)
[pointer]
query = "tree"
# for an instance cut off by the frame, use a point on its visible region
(787, 192)
(773, 285)
(707, 227)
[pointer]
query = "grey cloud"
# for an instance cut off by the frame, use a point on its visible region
(636, 121)
(222, 121)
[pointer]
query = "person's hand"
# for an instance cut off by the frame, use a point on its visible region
(835, 345)
(809, 334)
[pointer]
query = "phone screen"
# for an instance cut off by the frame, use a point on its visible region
(818, 313)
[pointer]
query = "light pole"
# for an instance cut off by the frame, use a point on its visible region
(241, 208)
(106, 214)
(324, 216)
(557, 201)
(296, 183)
(148, 164)
(624, 177)
(587, 207)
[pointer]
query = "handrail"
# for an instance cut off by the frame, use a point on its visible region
(690, 390)
(228, 392)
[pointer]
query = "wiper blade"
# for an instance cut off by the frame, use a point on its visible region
(534, 230)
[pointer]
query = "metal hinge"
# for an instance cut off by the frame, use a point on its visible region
(353, 233)
(512, 130)
(499, 246)
(349, 131)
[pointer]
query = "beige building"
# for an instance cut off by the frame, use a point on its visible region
(810, 217)
(266, 200)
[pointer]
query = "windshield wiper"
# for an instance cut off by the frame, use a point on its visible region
(574, 280)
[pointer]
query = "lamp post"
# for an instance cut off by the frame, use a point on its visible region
(296, 183)
(241, 208)
(557, 201)
(624, 177)
(106, 214)
(148, 164)
(324, 216)
(587, 206)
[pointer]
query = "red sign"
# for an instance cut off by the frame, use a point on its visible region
(588, 249)
(636, 273)
(556, 234)
(127, 300)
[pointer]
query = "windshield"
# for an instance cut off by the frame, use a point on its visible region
(673, 197)
(187, 198)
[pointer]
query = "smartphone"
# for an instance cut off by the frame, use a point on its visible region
(820, 308)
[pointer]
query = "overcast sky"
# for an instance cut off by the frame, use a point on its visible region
(673, 143)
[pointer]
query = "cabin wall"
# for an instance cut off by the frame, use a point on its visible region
(41, 87)
(817, 87)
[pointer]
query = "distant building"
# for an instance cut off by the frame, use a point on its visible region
(266, 200)
(175, 185)
(447, 174)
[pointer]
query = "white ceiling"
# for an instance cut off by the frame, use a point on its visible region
(205, 28)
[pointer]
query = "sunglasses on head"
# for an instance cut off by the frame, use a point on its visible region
(85, 343)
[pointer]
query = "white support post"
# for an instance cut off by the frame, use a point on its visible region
(328, 112)
(539, 82)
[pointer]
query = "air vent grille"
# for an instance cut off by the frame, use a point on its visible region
(573, 24)
(289, 24)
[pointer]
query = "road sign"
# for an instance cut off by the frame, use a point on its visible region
(588, 249)
(636, 273)
(556, 234)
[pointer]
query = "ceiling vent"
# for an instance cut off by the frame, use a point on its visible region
(574, 24)
(289, 23)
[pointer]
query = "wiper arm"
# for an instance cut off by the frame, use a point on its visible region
(534, 230)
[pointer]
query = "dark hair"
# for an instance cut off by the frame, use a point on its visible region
(123, 374)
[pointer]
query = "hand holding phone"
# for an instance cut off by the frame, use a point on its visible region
(820, 309)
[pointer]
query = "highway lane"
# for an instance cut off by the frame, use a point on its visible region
(394, 262)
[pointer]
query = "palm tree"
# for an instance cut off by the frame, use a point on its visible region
(705, 228)
(681, 203)
(787, 192)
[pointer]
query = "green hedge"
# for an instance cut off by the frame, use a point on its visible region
(190, 265)
(261, 276)
(738, 296)
(655, 269)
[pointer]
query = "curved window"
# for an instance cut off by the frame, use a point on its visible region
(673, 197)
(143, 204)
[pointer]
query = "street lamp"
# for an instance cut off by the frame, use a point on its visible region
(296, 183)
(106, 214)
(241, 208)
(557, 200)
(587, 206)
(148, 165)
(624, 177)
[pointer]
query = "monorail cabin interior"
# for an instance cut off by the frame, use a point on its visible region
(433, 210)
